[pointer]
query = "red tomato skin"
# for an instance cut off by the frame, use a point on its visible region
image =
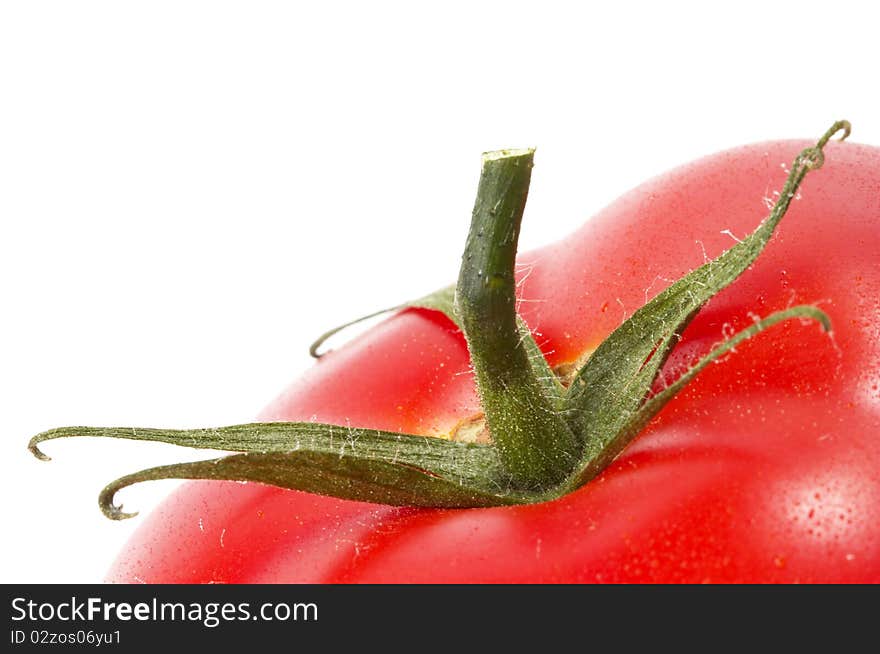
(765, 469)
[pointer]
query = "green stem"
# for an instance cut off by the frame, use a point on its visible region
(535, 446)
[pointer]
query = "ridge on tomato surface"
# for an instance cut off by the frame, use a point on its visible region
(547, 422)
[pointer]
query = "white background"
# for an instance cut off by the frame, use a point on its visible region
(190, 192)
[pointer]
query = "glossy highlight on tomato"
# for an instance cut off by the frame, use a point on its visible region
(766, 468)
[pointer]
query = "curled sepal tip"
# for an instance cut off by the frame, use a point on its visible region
(441, 301)
(108, 508)
(315, 348)
(36, 451)
(840, 126)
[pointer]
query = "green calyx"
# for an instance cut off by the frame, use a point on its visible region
(547, 439)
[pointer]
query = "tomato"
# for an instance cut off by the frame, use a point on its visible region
(766, 468)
